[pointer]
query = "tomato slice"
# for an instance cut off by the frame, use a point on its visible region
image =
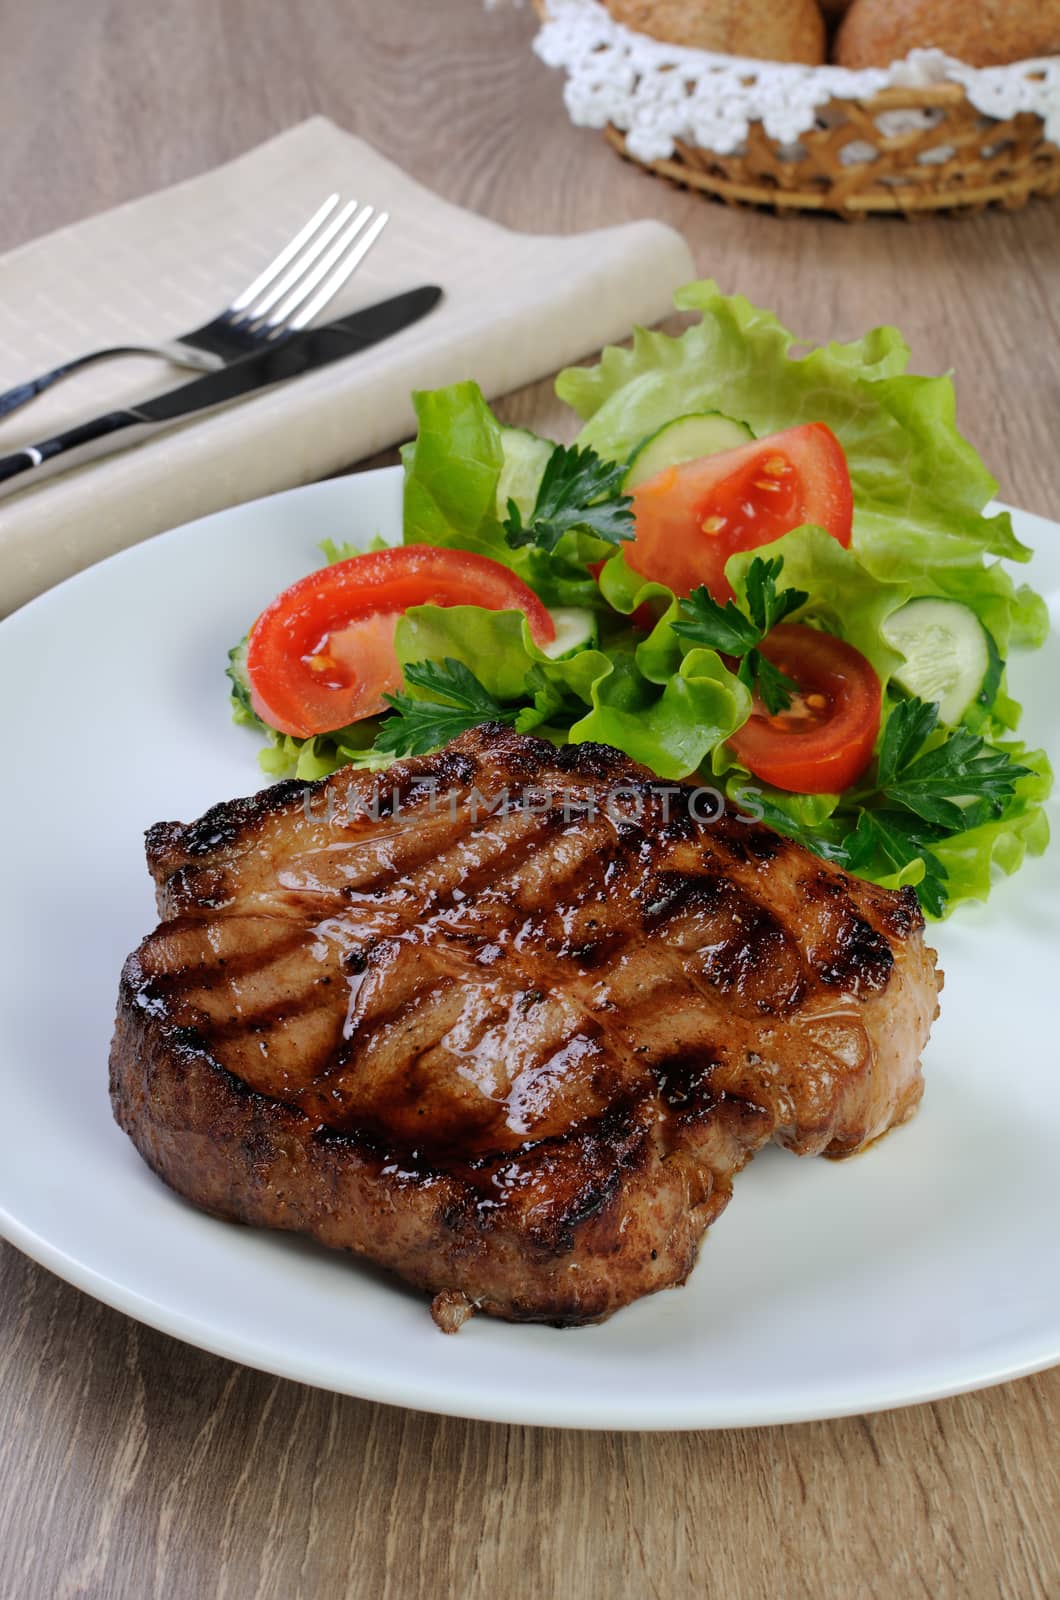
(322, 654)
(691, 519)
(824, 741)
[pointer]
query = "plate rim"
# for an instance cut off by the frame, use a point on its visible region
(453, 1395)
(411, 1396)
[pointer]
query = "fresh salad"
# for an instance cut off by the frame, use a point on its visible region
(771, 570)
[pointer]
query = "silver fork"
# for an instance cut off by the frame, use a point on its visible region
(308, 272)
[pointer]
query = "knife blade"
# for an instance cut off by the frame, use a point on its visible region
(301, 352)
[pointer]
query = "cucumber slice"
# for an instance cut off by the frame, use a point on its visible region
(525, 459)
(237, 672)
(946, 650)
(706, 433)
(242, 705)
(575, 630)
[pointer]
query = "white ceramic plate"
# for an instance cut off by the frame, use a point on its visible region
(927, 1266)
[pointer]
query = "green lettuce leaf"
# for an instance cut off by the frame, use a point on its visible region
(919, 488)
(844, 596)
(453, 497)
(452, 471)
(288, 757)
(496, 646)
(333, 552)
(672, 728)
(970, 858)
(662, 706)
(920, 529)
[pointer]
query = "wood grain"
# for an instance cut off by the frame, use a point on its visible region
(131, 1465)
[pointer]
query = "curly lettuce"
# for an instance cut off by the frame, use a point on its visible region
(663, 707)
(922, 528)
(920, 489)
(455, 494)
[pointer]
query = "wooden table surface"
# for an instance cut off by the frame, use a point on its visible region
(131, 1465)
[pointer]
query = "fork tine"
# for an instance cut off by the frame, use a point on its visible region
(333, 284)
(330, 263)
(296, 274)
(291, 249)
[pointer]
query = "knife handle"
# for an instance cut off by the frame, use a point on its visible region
(81, 438)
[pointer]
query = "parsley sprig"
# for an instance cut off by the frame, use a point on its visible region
(954, 785)
(927, 790)
(733, 632)
(578, 491)
(454, 701)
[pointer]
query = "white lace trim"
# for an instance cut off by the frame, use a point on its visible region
(657, 93)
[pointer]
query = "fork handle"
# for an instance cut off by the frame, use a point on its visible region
(22, 393)
(85, 434)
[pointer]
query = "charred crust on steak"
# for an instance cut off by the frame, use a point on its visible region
(685, 1081)
(515, 1057)
(220, 826)
(902, 914)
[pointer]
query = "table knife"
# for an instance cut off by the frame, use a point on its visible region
(302, 352)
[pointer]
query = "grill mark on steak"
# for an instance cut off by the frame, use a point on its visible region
(854, 953)
(516, 1058)
(748, 843)
(201, 970)
(685, 1080)
(266, 1018)
(755, 957)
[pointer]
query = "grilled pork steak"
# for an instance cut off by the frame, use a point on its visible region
(507, 1019)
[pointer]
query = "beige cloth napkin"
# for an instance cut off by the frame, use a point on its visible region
(517, 307)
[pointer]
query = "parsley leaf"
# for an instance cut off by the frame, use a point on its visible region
(767, 605)
(731, 632)
(909, 725)
(955, 784)
(965, 768)
(551, 702)
(894, 839)
(722, 628)
(928, 790)
(779, 820)
(578, 490)
(458, 702)
(775, 688)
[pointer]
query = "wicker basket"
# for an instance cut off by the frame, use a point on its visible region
(962, 163)
(956, 160)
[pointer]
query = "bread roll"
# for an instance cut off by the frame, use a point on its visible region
(775, 30)
(985, 33)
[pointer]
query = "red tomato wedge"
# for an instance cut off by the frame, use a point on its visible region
(691, 519)
(322, 654)
(824, 741)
